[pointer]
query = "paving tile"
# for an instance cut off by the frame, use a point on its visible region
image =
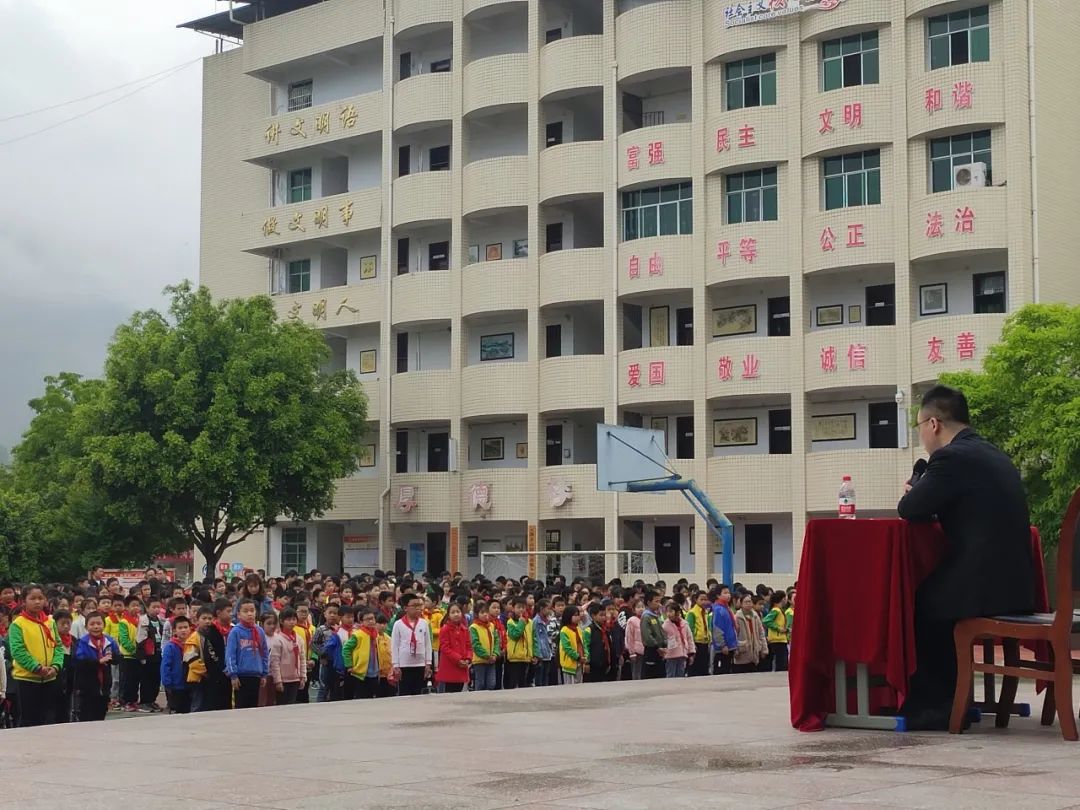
(251, 789)
(385, 799)
(936, 795)
(672, 796)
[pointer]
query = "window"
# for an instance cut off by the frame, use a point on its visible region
(441, 66)
(658, 211)
(293, 549)
(300, 95)
(751, 196)
(959, 38)
(751, 82)
(852, 180)
(439, 256)
(652, 119)
(300, 185)
(552, 35)
(300, 276)
(989, 293)
(439, 159)
(850, 61)
(957, 150)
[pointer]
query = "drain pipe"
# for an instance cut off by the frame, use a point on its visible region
(384, 498)
(615, 275)
(1032, 136)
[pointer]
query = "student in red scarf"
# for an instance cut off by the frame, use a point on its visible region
(599, 642)
(36, 658)
(94, 654)
(172, 670)
(288, 659)
(455, 651)
(247, 656)
(410, 648)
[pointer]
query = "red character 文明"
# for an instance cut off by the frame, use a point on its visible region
(826, 122)
(853, 115)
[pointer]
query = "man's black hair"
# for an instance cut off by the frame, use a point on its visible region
(947, 404)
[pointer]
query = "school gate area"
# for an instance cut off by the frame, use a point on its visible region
(688, 742)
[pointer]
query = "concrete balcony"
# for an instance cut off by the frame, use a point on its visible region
(751, 137)
(329, 125)
(748, 250)
(673, 162)
(423, 197)
(372, 385)
(496, 286)
(513, 494)
(333, 307)
(876, 345)
(437, 497)
(749, 365)
(959, 222)
(952, 343)
(307, 32)
(570, 63)
(356, 498)
(574, 382)
(878, 476)
(751, 483)
(324, 218)
(498, 182)
(421, 296)
(578, 274)
(412, 400)
(875, 126)
(663, 263)
(409, 14)
(849, 237)
(587, 501)
(496, 80)
(987, 105)
(497, 388)
(660, 374)
(653, 37)
(572, 170)
(423, 99)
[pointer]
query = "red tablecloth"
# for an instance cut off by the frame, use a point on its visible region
(857, 582)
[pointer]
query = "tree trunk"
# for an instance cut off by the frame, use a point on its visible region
(212, 554)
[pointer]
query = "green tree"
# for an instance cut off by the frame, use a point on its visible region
(218, 420)
(1027, 401)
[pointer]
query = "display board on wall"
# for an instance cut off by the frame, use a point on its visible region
(360, 552)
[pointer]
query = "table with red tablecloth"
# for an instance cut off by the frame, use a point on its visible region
(856, 604)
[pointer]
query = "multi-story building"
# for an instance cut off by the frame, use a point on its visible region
(761, 227)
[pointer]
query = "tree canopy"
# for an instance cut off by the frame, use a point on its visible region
(209, 424)
(1026, 400)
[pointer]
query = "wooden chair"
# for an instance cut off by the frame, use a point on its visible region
(1053, 628)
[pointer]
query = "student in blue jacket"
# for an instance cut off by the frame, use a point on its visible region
(247, 657)
(173, 671)
(725, 639)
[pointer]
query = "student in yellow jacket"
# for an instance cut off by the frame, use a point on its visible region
(484, 638)
(699, 619)
(520, 645)
(572, 658)
(130, 665)
(361, 656)
(36, 658)
(776, 629)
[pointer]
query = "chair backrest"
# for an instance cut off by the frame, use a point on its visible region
(1068, 559)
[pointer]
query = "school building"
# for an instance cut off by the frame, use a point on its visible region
(763, 228)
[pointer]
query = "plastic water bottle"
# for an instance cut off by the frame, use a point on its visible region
(846, 500)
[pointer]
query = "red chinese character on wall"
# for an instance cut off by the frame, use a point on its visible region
(856, 357)
(750, 365)
(828, 358)
(746, 136)
(933, 100)
(776, 5)
(965, 346)
(633, 155)
(723, 251)
(826, 122)
(855, 235)
(962, 93)
(633, 375)
(853, 115)
(933, 355)
(748, 249)
(934, 224)
(656, 372)
(656, 265)
(965, 220)
(635, 267)
(656, 153)
(828, 240)
(723, 142)
(723, 369)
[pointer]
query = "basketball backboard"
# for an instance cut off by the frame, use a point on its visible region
(625, 454)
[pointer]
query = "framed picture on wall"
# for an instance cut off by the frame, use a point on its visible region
(659, 326)
(660, 423)
(729, 321)
(691, 540)
(491, 449)
(832, 427)
(854, 313)
(933, 299)
(734, 432)
(497, 347)
(368, 268)
(521, 248)
(472, 546)
(830, 315)
(367, 361)
(367, 455)
(521, 450)
(493, 252)
(474, 254)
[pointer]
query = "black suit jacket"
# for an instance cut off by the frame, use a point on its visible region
(975, 492)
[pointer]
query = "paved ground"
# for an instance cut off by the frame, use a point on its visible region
(697, 743)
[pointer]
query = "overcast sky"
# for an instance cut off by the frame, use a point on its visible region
(103, 212)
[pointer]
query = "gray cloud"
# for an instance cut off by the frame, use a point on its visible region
(101, 213)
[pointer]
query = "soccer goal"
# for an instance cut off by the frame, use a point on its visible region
(598, 566)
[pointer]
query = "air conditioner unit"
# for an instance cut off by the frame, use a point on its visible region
(969, 175)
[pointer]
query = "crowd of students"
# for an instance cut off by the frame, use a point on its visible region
(75, 653)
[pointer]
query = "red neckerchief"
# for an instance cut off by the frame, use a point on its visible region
(43, 623)
(255, 637)
(178, 643)
(223, 629)
(412, 631)
(371, 631)
(577, 640)
(114, 617)
(65, 639)
(290, 634)
(133, 619)
(345, 601)
(99, 645)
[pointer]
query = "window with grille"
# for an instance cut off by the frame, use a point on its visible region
(852, 180)
(957, 150)
(989, 293)
(300, 95)
(658, 211)
(652, 119)
(751, 196)
(959, 38)
(751, 82)
(849, 61)
(300, 185)
(300, 276)
(293, 549)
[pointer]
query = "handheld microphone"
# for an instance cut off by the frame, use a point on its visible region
(918, 470)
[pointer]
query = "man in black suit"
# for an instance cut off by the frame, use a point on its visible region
(974, 491)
